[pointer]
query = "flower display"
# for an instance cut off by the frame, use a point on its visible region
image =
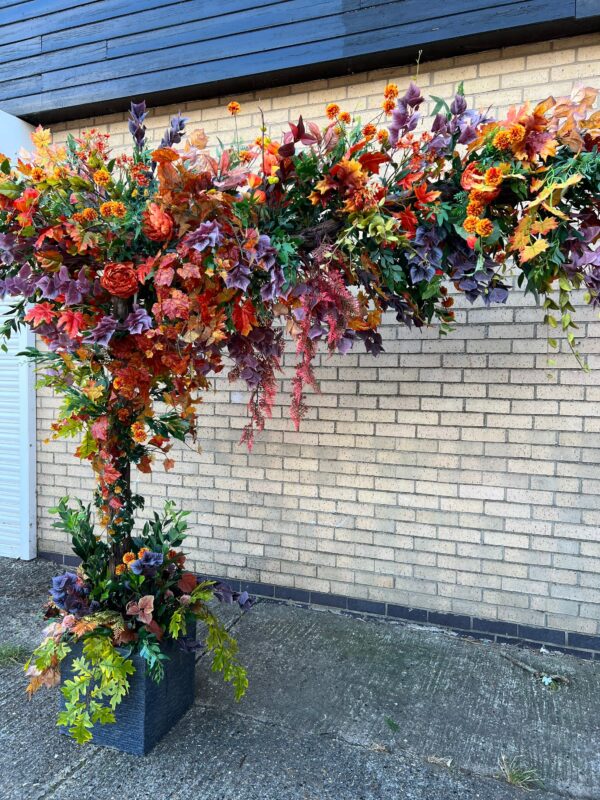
(145, 274)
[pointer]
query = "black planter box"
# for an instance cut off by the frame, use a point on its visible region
(150, 709)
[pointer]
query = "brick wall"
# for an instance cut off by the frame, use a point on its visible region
(455, 474)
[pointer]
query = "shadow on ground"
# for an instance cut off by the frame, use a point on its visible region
(338, 709)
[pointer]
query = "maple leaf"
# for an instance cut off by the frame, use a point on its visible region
(244, 317)
(533, 250)
(42, 312)
(423, 196)
(522, 235)
(178, 305)
(168, 464)
(544, 226)
(372, 161)
(71, 322)
(188, 271)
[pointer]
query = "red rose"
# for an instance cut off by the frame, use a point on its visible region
(158, 224)
(120, 280)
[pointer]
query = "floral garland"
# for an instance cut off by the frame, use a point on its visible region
(146, 274)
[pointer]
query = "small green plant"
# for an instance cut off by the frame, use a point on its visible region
(515, 773)
(12, 654)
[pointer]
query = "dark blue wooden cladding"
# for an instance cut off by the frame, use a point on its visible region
(59, 60)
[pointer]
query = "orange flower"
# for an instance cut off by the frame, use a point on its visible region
(113, 209)
(142, 551)
(157, 224)
(388, 105)
(494, 176)
(37, 174)
(138, 431)
(89, 214)
(332, 110)
(382, 136)
(120, 569)
(120, 280)
(391, 91)
(101, 177)
(502, 140)
(470, 224)
(129, 557)
(345, 118)
(517, 133)
(475, 209)
(369, 130)
(485, 227)
(234, 108)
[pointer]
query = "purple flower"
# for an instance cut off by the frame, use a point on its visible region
(69, 593)
(174, 133)
(103, 332)
(207, 234)
(225, 594)
(147, 565)
(137, 115)
(138, 320)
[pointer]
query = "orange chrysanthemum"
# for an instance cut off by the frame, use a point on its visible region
(234, 108)
(120, 569)
(470, 224)
(332, 110)
(382, 136)
(391, 91)
(369, 130)
(101, 177)
(345, 118)
(142, 551)
(484, 227)
(388, 105)
(129, 557)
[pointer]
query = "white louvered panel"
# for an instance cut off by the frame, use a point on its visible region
(17, 451)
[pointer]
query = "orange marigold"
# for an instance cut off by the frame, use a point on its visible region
(129, 557)
(113, 208)
(89, 214)
(142, 551)
(120, 569)
(494, 176)
(474, 209)
(332, 110)
(517, 133)
(345, 118)
(388, 105)
(391, 91)
(470, 224)
(234, 108)
(369, 130)
(502, 140)
(382, 136)
(484, 227)
(101, 177)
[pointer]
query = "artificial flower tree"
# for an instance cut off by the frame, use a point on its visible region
(146, 274)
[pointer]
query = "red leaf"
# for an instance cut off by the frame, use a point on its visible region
(187, 583)
(244, 318)
(372, 161)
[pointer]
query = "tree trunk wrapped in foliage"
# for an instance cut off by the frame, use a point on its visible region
(146, 274)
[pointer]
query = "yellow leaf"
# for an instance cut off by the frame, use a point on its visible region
(533, 250)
